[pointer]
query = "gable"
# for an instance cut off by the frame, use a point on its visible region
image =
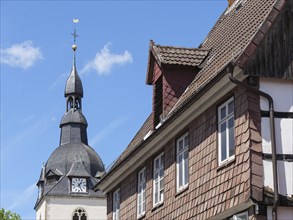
(276, 44)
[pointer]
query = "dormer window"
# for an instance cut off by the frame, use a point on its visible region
(53, 176)
(158, 101)
(170, 72)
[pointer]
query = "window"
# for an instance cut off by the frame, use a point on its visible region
(226, 131)
(116, 204)
(182, 162)
(240, 216)
(79, 214)
(158, 182)
(141, 187)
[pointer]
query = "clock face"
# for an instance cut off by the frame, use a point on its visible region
(78, 185)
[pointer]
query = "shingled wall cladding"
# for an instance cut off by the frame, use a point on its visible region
(212, 189)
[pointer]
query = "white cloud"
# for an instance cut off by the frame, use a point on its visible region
(23, 55)
(105, 60)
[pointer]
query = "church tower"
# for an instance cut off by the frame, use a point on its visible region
(67, 178)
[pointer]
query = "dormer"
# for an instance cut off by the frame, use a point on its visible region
(53, 175)
(170, 71)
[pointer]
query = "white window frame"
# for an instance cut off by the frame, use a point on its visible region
(141, 192)
(240, 216)
(228, 134)
(182, 154)
(158, 180)
(116, 204)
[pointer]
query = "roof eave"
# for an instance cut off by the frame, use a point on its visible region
(149, 75)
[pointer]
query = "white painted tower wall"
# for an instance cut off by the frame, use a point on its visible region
(57, 208)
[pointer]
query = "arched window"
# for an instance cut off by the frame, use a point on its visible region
(79, 214)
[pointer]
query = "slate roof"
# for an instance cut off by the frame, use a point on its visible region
(62, 189)
(73, 84)
(53, 172)
(226, 43)
(78, 169)
(73, 116)
(64, 156)
(178, 55)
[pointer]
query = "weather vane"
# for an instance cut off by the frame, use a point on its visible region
(75, 21)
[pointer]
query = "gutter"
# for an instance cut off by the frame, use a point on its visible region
(272, 131)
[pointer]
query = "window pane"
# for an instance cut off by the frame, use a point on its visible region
(179, 158)
(161, 196)
(186, 171)
(180, 145)
(230, 107)
(161, 184)
(231, 136)
(162, 160)
(186, 140)
(143, 196)
(186, 154)
(143, 206)
(180, 174)
(223, 142)
(161, 172)
(157, 164)
(223, 112)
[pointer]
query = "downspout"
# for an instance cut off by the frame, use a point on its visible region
(272, 131)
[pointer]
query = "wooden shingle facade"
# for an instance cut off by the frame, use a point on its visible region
(218, 143)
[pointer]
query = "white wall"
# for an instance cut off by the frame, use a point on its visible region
(283, 213)
(63, 208)
(282, 94)
(41, 212)
(281, 91)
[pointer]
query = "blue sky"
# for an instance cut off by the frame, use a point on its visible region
(113, 42)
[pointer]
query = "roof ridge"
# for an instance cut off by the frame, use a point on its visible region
(180, 47)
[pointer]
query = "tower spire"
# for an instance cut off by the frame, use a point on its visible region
(73, 89)
(73, 124)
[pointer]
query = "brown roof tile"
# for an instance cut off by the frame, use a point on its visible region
(179, 55)
(227, 40)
